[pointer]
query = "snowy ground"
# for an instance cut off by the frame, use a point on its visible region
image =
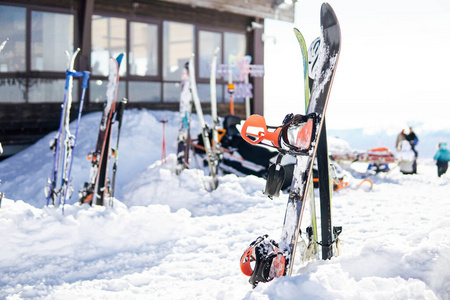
(167, 238)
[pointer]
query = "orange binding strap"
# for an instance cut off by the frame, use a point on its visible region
(246, 259)
(221, 133)
(367, 180)
(255, 126)
(340, 185)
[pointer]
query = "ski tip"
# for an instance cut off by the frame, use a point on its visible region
(327, 16)
(119, 58)
(299, 36)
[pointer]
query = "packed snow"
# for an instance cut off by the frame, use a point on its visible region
(166, 237)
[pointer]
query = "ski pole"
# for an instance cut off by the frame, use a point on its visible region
(231, 89)
(163, 150)
(52, 182)
(85, 75)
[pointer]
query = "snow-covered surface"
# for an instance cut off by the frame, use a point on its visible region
(167, 238)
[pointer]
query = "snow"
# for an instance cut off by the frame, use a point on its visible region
(167, 238)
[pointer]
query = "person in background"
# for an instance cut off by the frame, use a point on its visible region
(442, 157)
(411, 137)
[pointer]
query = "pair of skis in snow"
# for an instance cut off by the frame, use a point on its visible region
(99, 188)
(189, 95)
(59, 189)
(305, 138)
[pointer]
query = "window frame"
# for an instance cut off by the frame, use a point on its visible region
(29, 75)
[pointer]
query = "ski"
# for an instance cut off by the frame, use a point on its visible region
(163, 146)
(3, 44)
(212, 163)
(97, 189)
(118, 119)
(312, 234)
(58, 189)
(216, 132)
(71, 142)
(299, 136)
(1, 194)
(184, 139)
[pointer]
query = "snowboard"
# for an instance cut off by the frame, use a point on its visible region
(298, 136)
(96, 190)
(184, 139)
(327, 62)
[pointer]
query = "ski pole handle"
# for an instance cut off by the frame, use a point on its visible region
(86, 79)
(75, 74)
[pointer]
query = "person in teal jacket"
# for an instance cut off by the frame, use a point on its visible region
(442, 157)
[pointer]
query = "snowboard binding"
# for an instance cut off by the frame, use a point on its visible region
(294, 137)
(262, 261)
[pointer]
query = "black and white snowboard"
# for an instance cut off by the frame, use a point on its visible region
(298, 136)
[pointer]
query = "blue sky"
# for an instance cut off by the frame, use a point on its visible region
(394, 68)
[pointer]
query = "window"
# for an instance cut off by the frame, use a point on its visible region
(178, 47)
(33, 64)
(145, 91)
(97, 90)
(235, 45)
(143, 49)
(51, 34)
(232, 49)
(208, 42)
(12, 26)
(204, 92)
(50, 90)
(12, 89)
(234, 52)
(108, 40)
(51, 37)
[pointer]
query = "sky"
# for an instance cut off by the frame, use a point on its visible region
(393, 70)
